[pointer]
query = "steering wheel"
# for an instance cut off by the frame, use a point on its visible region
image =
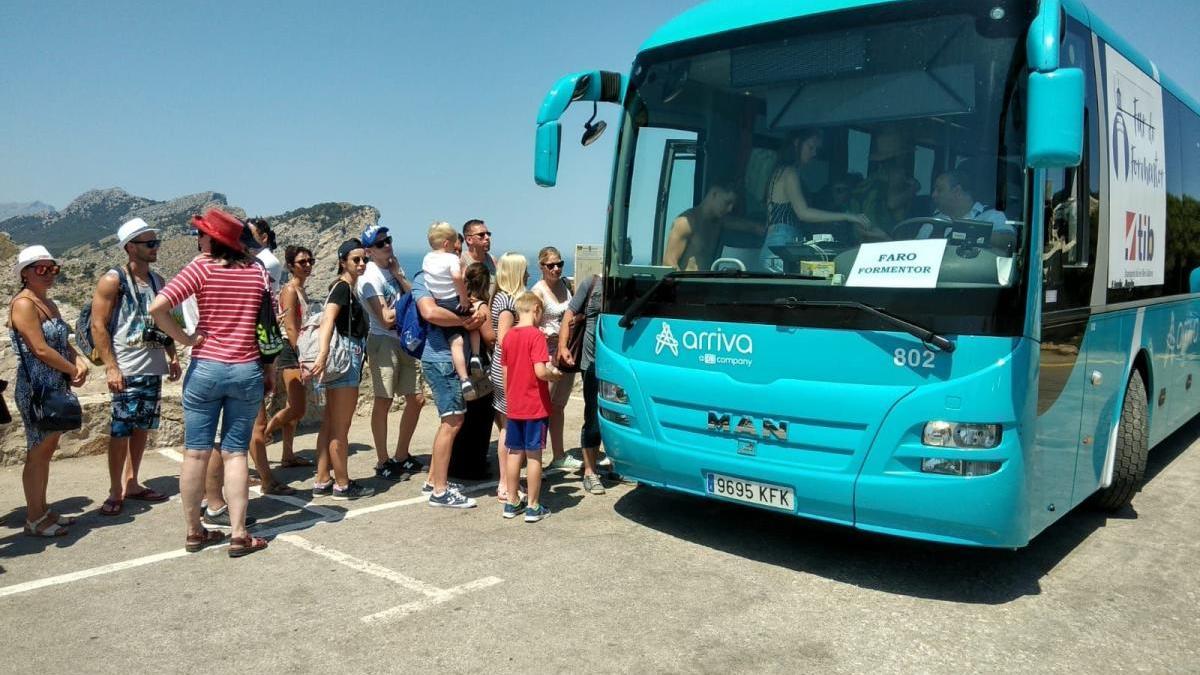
(908, 228)
(716, 266)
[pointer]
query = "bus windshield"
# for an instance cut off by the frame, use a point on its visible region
(859, 157)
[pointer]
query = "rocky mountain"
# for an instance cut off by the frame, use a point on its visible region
(15, 209)
(89, 226)
(95, 215)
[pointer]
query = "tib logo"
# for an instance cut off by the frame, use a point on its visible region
(1139, 237)
(666, 340)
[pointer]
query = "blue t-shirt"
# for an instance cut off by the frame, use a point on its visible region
(437, 349)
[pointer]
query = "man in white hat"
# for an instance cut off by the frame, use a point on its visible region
(136, 356)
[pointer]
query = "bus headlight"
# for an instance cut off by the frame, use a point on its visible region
(614, 393)
(965, 436)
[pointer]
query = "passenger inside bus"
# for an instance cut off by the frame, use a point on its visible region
(695, 236)
(790, 219)
(889, 194)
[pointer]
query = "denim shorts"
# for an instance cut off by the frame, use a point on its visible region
(352, 377)
(526, 435)
(446, 387)
(229, 392)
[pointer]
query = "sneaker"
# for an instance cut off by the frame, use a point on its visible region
(410, 465)
(427, 488)
(514, 510)
(353, 491)
(536, 513)
(451, 499)
(592, 484)
(392, 470)
(475, 367)
(468, 391)
(565, 463)
(220, 520)
(320, 490)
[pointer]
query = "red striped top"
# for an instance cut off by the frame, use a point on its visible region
(228, 299)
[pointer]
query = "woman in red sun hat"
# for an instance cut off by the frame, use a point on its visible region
(225, 374)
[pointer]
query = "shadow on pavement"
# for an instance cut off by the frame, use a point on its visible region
(888, 564)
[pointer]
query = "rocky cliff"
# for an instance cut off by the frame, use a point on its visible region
(321, 227)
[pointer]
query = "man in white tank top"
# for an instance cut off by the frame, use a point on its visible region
(136, 356)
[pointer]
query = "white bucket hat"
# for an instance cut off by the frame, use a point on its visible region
(132, 229)
(30, 255)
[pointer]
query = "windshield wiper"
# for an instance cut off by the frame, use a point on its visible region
(923, 334)
(670, 278)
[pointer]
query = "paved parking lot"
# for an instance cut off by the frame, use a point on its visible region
(637, 579)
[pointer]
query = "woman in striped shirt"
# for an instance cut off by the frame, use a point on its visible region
(225, 375)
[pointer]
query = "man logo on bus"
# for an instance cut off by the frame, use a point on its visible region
(666, 340)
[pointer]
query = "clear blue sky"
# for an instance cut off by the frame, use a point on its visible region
(424, 110)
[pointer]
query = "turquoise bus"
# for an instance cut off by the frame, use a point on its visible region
(924, 268)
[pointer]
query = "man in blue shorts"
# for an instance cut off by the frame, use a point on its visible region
(438, 367)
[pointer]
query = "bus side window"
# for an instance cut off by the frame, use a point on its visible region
(1060, 247)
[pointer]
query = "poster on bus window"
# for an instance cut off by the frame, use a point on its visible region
(1137, 182)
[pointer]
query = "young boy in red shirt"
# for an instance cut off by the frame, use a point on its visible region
(527, 369)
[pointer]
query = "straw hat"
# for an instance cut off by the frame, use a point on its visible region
(30, 255)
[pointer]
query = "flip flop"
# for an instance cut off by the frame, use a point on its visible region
(148, 495)
(295, 462)
(277, 488)
(112, 507)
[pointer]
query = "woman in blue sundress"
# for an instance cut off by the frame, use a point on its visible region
(46, 361)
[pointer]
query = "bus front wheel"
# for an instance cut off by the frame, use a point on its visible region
(1133, 440)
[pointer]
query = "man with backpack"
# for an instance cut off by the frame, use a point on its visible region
(393, 372)
(136, 355)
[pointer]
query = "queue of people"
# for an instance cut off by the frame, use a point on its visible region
(487, 334)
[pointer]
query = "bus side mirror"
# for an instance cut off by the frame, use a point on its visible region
(545, 156)
(1054, 131)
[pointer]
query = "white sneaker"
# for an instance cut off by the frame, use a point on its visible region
(565, 463)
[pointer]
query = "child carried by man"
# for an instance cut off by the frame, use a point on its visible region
(446, 281)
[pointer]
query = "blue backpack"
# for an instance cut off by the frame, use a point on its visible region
(83, 325)
(411, 328)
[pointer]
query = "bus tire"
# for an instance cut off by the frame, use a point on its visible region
(1133, 440)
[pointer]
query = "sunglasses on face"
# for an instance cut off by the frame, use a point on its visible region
(149, 243)
(358, 260)
(382, 243)
(480, 234)
(554, 265)
(43, 270)
(303, 261)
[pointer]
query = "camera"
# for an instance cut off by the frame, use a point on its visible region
(153, 336)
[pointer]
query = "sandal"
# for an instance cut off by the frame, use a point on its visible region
(198, 542)
(277, 488)
(51, 530)
(240, 546)
(112, 507)
(63, 521)
(148, 495)
(295, 461)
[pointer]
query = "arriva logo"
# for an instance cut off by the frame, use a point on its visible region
(718, 347)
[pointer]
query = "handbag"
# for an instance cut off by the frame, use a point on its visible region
(5, 416)
(54, 410)
(337, 362)
(578, 328)
(266, 328)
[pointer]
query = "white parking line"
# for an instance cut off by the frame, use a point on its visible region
(433, 595)
(172, 454)
(412, 607)
(138, 562)
(324, 512)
